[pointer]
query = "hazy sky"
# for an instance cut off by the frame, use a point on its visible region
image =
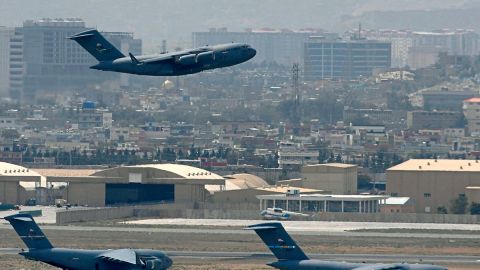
(175, 20)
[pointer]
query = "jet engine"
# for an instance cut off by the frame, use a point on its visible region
(205, 57)
(155, 264)
(189, 59)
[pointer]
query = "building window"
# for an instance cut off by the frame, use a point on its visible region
(394, 194)
(427, 195)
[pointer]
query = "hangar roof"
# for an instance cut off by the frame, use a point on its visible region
(238, 181)
(440, 165)
(184, 171)
(243, 181)
(66, 172)
(8, 169)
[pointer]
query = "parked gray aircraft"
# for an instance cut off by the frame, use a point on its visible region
(166, 64)
(291, 257)
(40, 249)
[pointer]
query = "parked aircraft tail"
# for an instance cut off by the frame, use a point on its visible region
(29, 231)
(278, 241)
(97, 45)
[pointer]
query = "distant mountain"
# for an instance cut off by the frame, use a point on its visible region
(175, 20)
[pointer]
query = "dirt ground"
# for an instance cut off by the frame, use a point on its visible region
(241, 242)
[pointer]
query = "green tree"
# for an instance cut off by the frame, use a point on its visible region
(475, 208)
(459, 205)
(442, 210)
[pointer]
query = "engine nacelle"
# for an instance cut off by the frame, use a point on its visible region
(155, 264)
(189, 59)
(206, 57)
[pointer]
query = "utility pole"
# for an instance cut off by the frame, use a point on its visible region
(296, 109)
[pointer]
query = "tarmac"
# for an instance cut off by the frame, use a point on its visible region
(309, 226)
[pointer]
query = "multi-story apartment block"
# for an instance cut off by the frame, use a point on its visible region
(294, 155)
(471, 110)
(345, 59)
(43, 59)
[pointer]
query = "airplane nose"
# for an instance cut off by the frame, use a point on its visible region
(168, 262)
(252, 52)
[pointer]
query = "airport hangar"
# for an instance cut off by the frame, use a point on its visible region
(150, 183)
(434, 183)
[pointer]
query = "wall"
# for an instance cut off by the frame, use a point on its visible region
(9, 192)
(91, 194)
(172, 211)
(69, 216)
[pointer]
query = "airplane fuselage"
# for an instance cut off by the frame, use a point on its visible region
(79, 259)
(182, 62)
(329, 265)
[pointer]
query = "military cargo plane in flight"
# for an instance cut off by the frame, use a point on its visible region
(166, 64)
(291, 257)
(40, 249)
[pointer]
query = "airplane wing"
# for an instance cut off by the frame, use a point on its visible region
(120, 256)
(158, 59)
(173, 56)
(398, 266)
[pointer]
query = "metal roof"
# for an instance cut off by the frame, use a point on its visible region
(445, 165)
(184, 171)
(322, 197)
(397, 200)
(8, 169)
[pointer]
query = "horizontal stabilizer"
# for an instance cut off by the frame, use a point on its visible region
(257, 227)
(120, 256)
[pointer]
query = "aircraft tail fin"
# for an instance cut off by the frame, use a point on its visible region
(29, 232)
(278, 241)
(97, 45)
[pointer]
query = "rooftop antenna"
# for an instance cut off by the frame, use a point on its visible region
(359, 30)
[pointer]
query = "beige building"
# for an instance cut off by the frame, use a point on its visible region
(241, 190)
(432, 183)
(150, 183)
(17, 183)
(337, 178)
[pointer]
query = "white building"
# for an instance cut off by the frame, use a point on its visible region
(295, 155)
(323, 202)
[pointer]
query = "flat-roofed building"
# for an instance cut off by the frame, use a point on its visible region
(338, 178)
(432, 183)
(398, 205)
(323, 203)
(471, 110)
(247, 198)
(344, 59)
(434, 119)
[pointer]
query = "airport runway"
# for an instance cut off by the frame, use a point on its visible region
(370, 258)
(240, 231)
